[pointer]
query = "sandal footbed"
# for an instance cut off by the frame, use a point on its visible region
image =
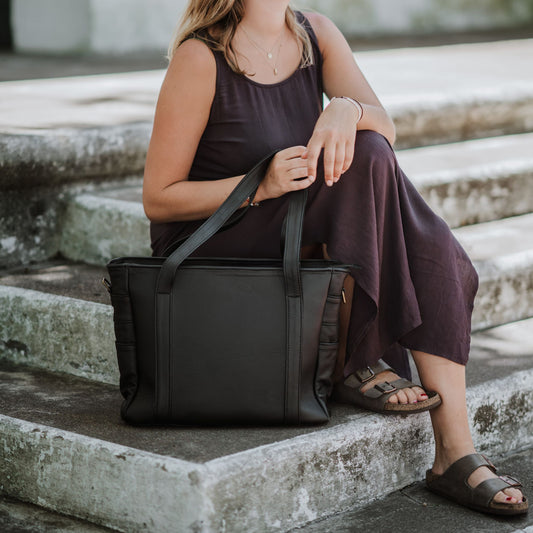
(354, 397)
(494, 507)
(380, 404)
(453, 485)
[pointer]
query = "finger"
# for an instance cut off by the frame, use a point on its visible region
(349, 151)
(297, 185)
(313, 153)
(339, 162)
(329, 163)
(292, 152)
(297, 172)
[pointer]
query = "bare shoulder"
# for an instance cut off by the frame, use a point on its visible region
(192, 60)
(324, 28)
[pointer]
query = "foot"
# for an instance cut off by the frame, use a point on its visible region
(404, 396)
(508, 496)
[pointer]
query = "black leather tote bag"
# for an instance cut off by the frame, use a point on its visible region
(227, 341)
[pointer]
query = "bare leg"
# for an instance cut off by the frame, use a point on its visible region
(412, 395)
(450, 421)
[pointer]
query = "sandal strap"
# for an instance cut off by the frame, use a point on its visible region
(484, 493)
(389, 387)
(383, 388)
(366, 374)
(462, 468)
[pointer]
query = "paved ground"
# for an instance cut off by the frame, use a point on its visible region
(18, 517)
(414, 509)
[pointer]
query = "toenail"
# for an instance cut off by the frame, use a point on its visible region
(509, 498)
(424, 395)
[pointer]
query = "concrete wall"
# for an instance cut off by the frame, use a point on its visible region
(120, 26)
(368, 17)
(94, 26)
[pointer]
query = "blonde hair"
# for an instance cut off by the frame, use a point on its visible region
(215, 22)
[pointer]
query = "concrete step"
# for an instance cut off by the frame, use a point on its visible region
(64, 447)
(502, 251)
(465, 183)
(65, 132)
(474, 181)
(416, 509)
(48, 306)
(99, 125)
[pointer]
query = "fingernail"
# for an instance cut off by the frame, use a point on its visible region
(329, 183)
(312, 178)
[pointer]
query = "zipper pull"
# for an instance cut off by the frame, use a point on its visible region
(107, 285)
(343, 294)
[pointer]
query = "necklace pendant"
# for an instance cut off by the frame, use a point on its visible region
(275, 72)
(269, 55)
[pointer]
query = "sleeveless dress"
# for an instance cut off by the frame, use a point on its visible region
(415, 286)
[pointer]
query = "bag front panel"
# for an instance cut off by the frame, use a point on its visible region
(216, 314)
(228, 346)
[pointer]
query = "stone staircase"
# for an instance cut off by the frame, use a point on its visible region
(71, 201)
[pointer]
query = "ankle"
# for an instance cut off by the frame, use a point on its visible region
(447, 455)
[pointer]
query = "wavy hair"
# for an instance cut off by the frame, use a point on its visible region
(215, 22)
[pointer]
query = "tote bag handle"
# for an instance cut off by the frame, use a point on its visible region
(293, 288)
(246, 188)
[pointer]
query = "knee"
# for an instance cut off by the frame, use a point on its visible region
(374, 157)
(373, 148)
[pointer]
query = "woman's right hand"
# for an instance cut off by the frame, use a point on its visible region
(287, 172)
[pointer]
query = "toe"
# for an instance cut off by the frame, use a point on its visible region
(508, 496)
(402, 397)
(515, 494)
(411, 395)
(393, 399)
(421, 394)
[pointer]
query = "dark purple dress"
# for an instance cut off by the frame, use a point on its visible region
(416, 286)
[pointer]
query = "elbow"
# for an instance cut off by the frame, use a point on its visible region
(152, 209)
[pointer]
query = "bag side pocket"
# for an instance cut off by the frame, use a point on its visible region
(328, 340)
(125, 342)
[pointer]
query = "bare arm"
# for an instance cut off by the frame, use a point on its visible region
(343, 77)
(335, 130)
(181, 116)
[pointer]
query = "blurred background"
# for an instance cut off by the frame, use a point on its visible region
(115, 35)
(79, 85)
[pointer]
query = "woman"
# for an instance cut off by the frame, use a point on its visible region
(246, 77)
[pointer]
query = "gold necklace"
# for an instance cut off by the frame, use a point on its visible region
(268, 53)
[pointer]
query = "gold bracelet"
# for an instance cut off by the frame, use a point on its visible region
(356, 103)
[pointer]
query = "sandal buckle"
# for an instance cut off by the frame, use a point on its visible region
(385, 387)
(365, 374)
(510, 480)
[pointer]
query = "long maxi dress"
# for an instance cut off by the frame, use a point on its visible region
(415, 286)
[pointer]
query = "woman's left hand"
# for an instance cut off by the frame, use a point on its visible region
(335, 133)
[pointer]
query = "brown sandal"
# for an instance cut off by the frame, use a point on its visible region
(453, 484)
(376, 398)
